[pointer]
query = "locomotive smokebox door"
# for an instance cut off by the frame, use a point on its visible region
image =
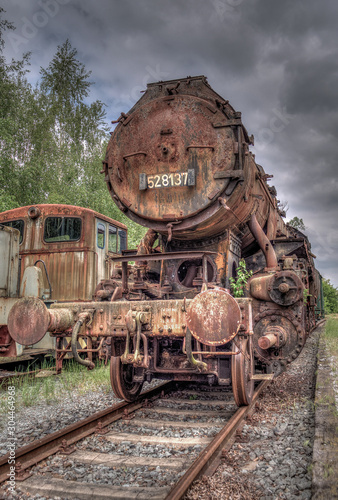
(163, 160)
(214, 317)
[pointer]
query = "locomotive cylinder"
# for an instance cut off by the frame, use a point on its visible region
(284, 288)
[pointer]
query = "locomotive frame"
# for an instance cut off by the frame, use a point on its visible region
(179, 163)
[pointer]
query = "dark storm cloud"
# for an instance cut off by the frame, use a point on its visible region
(310, 84)
(275, 61)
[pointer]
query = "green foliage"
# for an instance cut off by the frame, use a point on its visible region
(65, 79)
(306, 294)
(331, 328)
(238, 284)
(135, 232)
(330, 297)
(52, 138)
(77, 133)
(4, 25)
(297, 223)
(193, 397)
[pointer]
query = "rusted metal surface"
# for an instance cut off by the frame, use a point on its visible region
(179, 163)
(267, 341)
(289, 333)
(163, 318)
(163, 256)
(38, 450)
(9, 286)
(72, 265)
(28, 321)
(123, 382)
(175, 157)
(9, 262)
(7, 344)
(264, 243)
(242, 371)
(60, 319)
(61, 259)
(284, 288)
(200, 263)
(213, 451)
(214, 317)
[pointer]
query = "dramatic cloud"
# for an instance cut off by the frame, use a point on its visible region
(277, 62)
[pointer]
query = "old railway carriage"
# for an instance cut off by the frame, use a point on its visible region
(179, 163)
(64, 252)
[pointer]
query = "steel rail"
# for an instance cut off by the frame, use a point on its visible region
(213, 450)
(33, 453)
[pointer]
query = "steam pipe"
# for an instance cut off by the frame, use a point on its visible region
(76, 329)
(264, 242)
(200, 365)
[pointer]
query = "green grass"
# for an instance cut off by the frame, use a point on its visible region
(331, 333)
(31, 391)
(331, 327)
(328, 470)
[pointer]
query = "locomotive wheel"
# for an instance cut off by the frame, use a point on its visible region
(122, 380)
(242, 369)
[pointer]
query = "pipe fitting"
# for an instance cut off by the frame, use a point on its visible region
(82, 318)
(264, 242)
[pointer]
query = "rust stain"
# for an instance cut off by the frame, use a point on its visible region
(71, 265)
(213, 317)
(139, 149)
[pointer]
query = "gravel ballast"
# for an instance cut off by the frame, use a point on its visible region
(271, 458)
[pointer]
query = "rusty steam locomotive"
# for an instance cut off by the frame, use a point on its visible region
(179, 163)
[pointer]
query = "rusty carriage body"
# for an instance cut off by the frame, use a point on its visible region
(179, 164)
(61, 253)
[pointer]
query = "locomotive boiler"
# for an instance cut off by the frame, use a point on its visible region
(179, 164)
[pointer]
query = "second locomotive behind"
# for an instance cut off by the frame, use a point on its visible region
(179, 163)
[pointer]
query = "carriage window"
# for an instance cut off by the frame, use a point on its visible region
(122, 240)
(62, 229)
(101, 233)
(112, 239)
(17, 224)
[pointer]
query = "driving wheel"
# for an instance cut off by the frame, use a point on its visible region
(122, 380)
(242, 369)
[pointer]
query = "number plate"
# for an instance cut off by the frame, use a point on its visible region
(175, 179)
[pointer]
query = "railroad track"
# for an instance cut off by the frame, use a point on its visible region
(108, 453)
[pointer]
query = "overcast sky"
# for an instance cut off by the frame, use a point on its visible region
(276, 61)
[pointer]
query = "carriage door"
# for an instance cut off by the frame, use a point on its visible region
(101, 246)
(112, 246)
